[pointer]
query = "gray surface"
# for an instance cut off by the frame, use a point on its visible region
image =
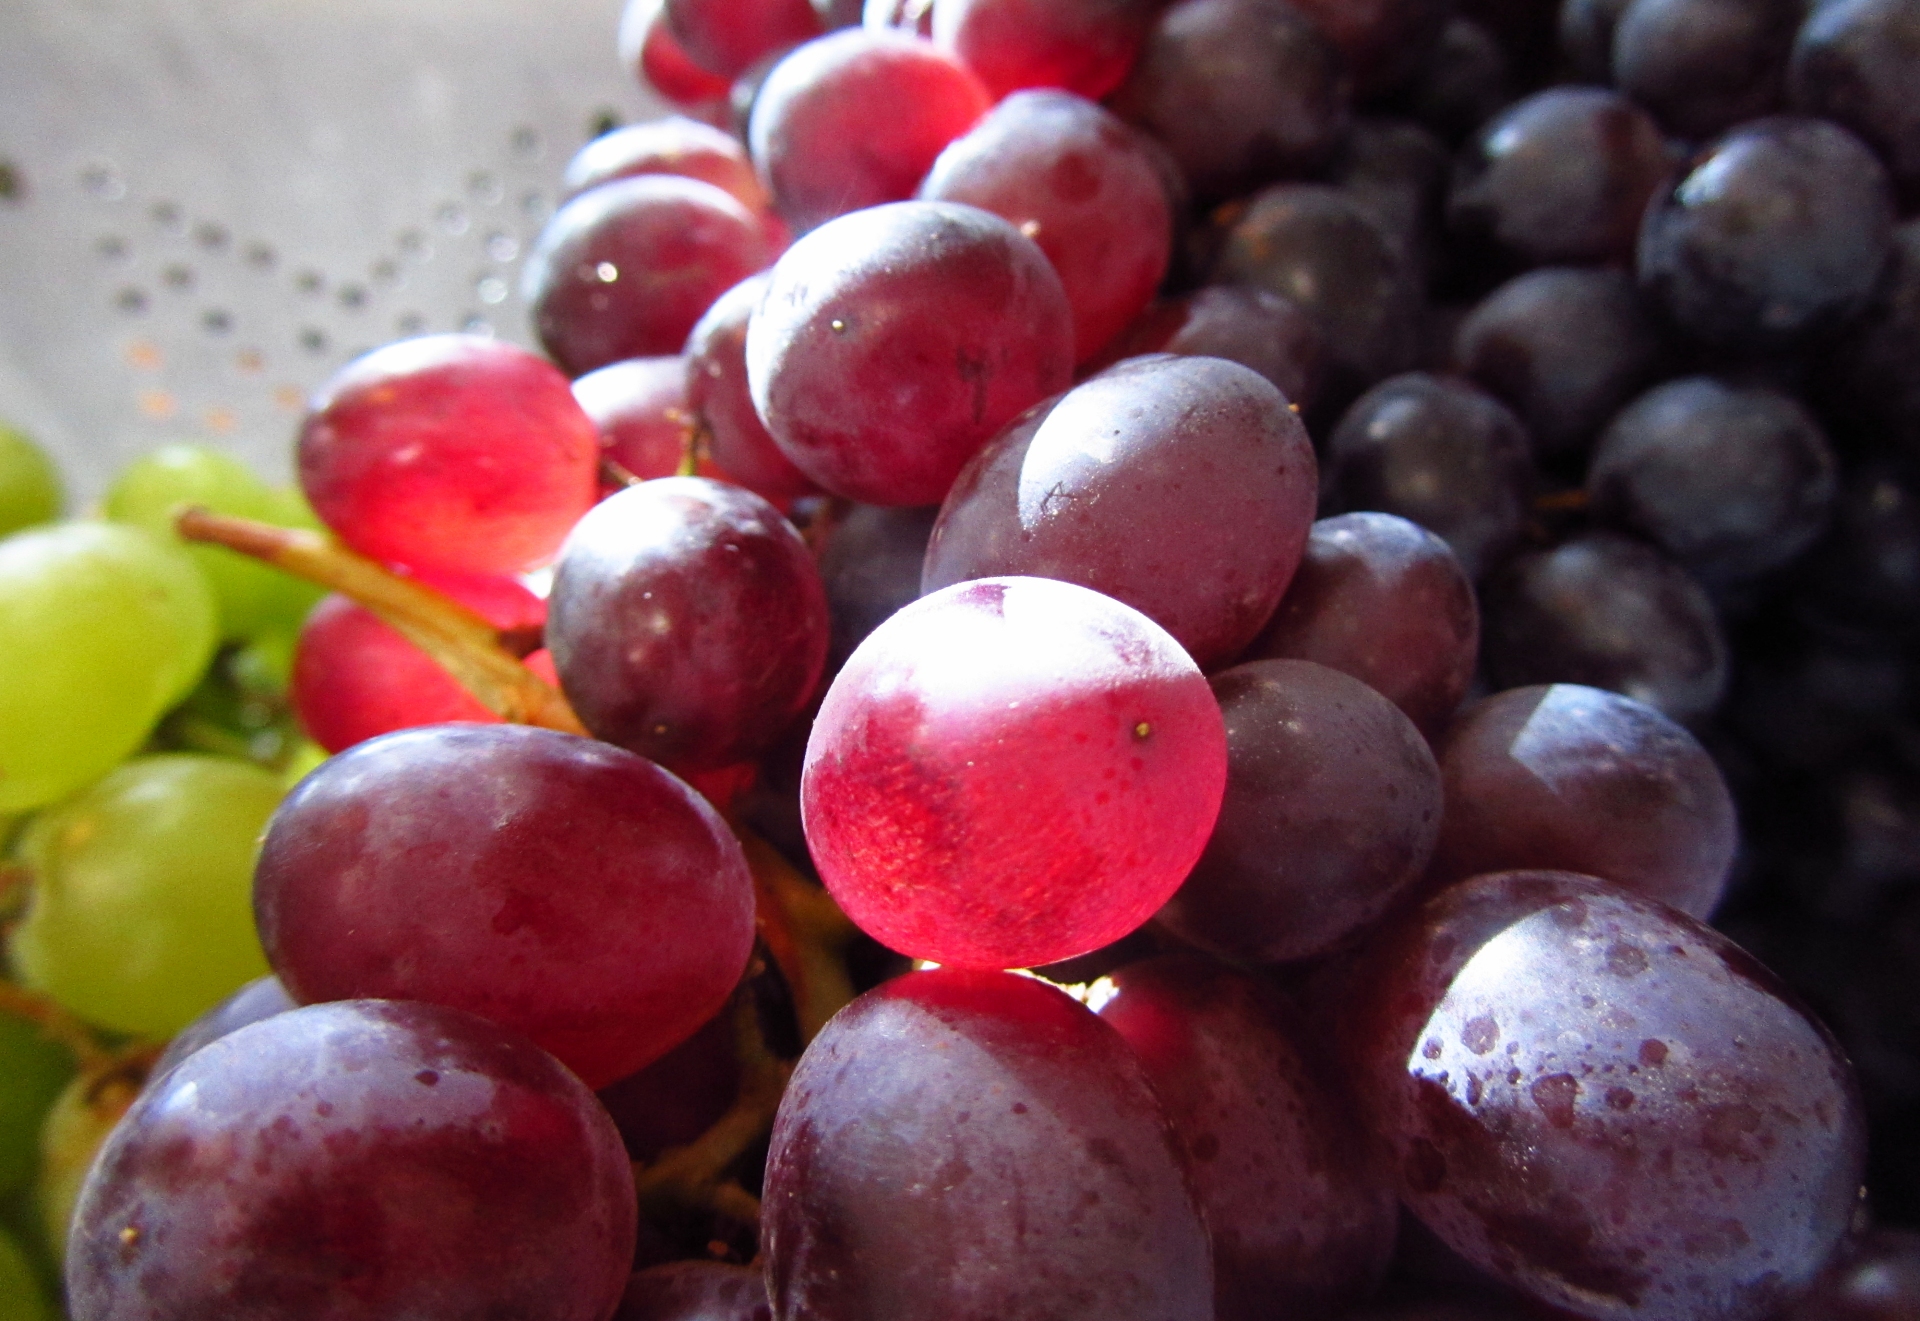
(222, 200)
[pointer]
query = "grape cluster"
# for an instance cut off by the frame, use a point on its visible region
(1111, 669)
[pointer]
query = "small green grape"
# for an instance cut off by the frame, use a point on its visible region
(29, 483)
(141, 909)
(33, 1069)
(302, 762)
(82, 1117)
(21, 1298)
(254, 598)
(102, 629)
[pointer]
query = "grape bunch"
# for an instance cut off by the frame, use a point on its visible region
(1127, 659)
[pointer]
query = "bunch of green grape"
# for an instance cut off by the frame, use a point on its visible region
(144, 741)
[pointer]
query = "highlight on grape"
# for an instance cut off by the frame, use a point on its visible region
(1121, 660)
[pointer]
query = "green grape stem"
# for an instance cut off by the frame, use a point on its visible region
(89, 1051)
(460, 641)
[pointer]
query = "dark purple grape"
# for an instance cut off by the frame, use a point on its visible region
(1569, 778)
(1181, 486)
(1464, 82)
(894, 342)
(1586, 37)
(1561, 176)
(1604, 1103)
(687, 622)
(1386, 601)
(1080, 183)
(959, 1145)
(1866, 574)
(625, 269)
(1857, 62)
(680, 1095)
(696, 1291)
(1731, 481)
(1322, 248)
(1609, 612)
(1702, 66)
(1384, 41)
(1297, 1199)
(1441, 452)
(1398, 171)
(870, 568)
(358, 1161)
(1331, 812)
(260, 998)
(1777, 235)
(1565, 348)
(1253, 327)
(557, 885)
(1866, 380)
(1242, 92)
(721, 403)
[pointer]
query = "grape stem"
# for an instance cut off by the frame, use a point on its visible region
(89, 1052)
(694, 1174)
(804, 931)
(473, 651)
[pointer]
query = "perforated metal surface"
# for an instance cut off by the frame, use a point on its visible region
(206, 206)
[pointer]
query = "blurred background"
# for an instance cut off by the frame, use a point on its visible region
(206, 206)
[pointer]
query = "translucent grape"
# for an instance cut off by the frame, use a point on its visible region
(33, 1069)
(30, 487)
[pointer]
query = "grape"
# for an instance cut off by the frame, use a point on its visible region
(1157, 474)
(30, 489)
(1586, 36)
(104, 628)
(680, 1095)
(355, 677)
(21, 1298)
(80, 1121)
(679, 146)
(1570, 778)
(1604, 1103)
(1560, 176)
(626, 269)
(728, 36)
(1731, 482)
(1777, 236)
(959, 1145)
(253, 598)
(1298, 1201)
(687, 622)
(695, 1291)
(1865, 380)
(140, 918)
(450, 452)
(1011, 772)
(1331, 811)
(263, 997)
(33, 1070)
(894, 342)
(1083, 186)
(1609, 612)
(1254, 327)
(854, 119)
(1383, 40)
(657, 60)
(1084, 46)
(871, 568)
(1384, 600)
(1854, 63)
(360, 1160)
(1241, 92)
(640, 407)
(1564, 348)
(1702, 66)
(1398, 172)
(721, 401)
(562, 887)
(1464, 81)
(1442, 453)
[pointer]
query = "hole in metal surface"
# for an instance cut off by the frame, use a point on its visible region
(490, 289)
(453, 218)
(352, 296)
(177, 276)
(211, 236)
(13, 182)
(216, 321)
(261, 257)
(484, 188)
(533, 205)
(103, 181)
(131, 300)
(168, 217)
(111, 247)
(310, 282)
(502, 246)
(527, 143)
(313, 340)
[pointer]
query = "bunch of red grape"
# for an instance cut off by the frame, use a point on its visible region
(927, 453)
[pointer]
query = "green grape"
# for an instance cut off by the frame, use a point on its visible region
(141, 915)
(21, 1298)
(29, 483)
(302, 762)
(254, 598)
(79, 1122)
(33, 1069)
(102, 629)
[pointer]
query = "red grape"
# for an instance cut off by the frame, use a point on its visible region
(728, 36)
(718, 396)
(1084, 46)
(1011, 772)
(449, 452)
